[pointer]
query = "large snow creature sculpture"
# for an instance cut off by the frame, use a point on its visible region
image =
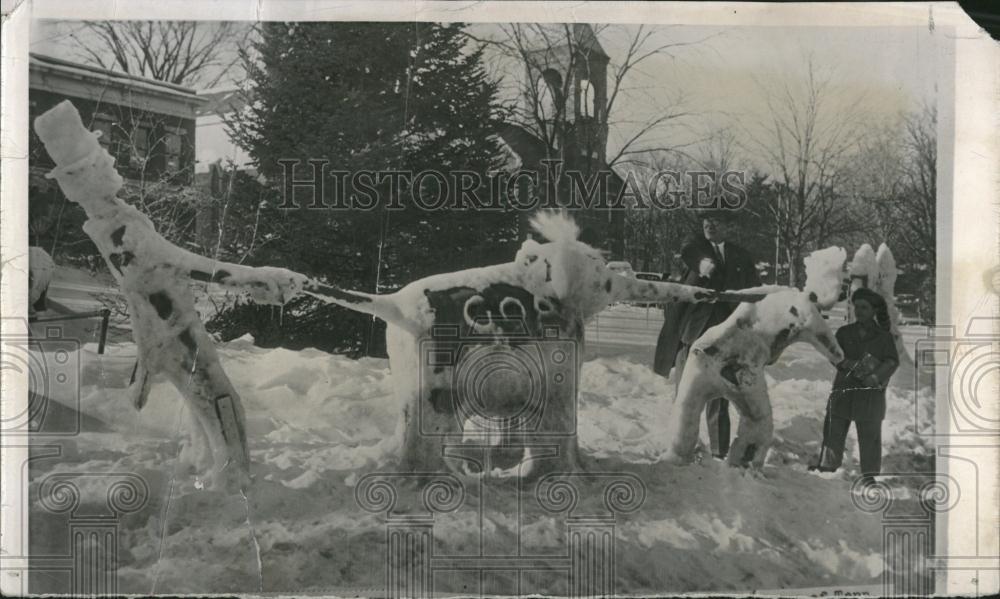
(154, 275)
(485, 361)
(728, 360)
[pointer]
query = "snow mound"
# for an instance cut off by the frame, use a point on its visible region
(317, 423)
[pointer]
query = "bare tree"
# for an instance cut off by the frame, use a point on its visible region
(551, 106)
(653, 238)
(180, 52)
(918, 204)
(878, 178)
(716, 154)
(807, 141)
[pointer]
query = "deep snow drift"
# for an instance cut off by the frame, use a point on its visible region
(317, 423)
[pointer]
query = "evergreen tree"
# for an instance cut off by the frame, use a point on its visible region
(367, 97)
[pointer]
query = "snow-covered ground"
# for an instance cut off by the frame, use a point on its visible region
(316, 425)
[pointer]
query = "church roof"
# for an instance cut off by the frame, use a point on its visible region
(586, 40)
(529, 149)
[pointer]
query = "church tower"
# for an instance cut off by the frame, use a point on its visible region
(567, 95)
(565, 117)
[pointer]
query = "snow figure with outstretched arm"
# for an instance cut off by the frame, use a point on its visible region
(729, 359)
(485, 361)
(154, 275)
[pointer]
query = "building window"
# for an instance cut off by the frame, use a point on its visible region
(172, 151)
(586, 98)
(548, 93)
(104, 124)
(121, 148)
(140, 147)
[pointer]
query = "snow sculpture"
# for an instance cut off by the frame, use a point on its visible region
(153, 274)
(885, 284)
(485, 361)
(862, 270)
(728, 360)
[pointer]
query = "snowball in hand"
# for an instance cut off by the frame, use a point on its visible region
(706, 267)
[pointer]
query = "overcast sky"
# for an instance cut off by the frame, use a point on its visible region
(717, 76)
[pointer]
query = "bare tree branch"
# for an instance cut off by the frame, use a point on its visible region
(179, 52)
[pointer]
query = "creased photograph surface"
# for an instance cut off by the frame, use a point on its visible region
(466, 306)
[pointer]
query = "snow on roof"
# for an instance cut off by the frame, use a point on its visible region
(42, 61)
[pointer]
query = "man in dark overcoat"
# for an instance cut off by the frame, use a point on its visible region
(710, 260)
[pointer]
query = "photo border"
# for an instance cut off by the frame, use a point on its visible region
(968, 155)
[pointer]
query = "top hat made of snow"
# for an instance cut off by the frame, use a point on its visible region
(66, 139)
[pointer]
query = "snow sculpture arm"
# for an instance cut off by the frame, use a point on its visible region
(628, 289)
(86, 174)
(154, 275)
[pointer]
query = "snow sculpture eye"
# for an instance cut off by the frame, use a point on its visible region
(543, 306)
(471, 320)
(518, 308)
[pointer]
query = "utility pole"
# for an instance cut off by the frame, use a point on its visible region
(777, 238)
